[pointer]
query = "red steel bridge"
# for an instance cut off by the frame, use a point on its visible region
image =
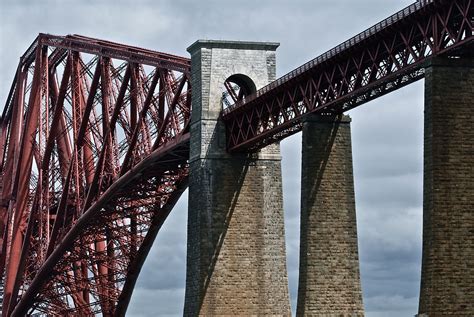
(94, 146)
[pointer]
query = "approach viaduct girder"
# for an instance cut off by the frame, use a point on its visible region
(387, 56)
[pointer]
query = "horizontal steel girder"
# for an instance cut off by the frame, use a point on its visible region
(389, 55)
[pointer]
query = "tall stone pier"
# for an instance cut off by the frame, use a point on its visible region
(236, 262)
(447, 279)
(329, 282)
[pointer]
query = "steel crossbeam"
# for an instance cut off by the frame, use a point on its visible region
(385, 57)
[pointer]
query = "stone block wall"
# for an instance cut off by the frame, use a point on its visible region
(236, 262)
(329, 282)
(447, 281)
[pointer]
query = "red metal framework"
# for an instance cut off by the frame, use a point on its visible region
(385, 57)
(94, 146)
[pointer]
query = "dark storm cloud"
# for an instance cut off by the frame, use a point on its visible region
(387, 133)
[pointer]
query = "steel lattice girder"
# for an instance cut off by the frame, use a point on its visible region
(94, 146)
(94, 154)
(386, 57)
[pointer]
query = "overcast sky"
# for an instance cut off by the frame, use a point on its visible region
(387, 133)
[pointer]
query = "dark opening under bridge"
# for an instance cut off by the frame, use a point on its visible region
(98, 142)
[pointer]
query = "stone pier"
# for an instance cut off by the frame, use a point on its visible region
(329, 282)
(447, 280)
(236, 262)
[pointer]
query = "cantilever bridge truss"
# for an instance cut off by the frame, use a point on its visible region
(94, 156)
(94, 146)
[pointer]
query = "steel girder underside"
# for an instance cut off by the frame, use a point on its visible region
(389, 55)
(94, 146)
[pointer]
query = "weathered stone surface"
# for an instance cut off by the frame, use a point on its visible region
(236, 262)
(329, 282)
(447, 280)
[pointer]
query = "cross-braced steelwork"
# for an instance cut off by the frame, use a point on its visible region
(94, 149)
(94, 146)
(384, 58)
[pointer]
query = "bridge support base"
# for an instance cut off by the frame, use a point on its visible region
(329, 282)
(236, 263)
(448, 196)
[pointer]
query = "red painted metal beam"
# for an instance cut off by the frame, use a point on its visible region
(83, 190)
(389, 55)
(111, 50)
(172, 157)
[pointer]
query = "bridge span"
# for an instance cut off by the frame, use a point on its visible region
(98, 141)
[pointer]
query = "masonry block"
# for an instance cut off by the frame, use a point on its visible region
(447, 279)
(329, 281)
(236, 261)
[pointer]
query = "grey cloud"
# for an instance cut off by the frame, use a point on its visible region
(156, 303)
(166, 263)
(392, 303)
(395, 191)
